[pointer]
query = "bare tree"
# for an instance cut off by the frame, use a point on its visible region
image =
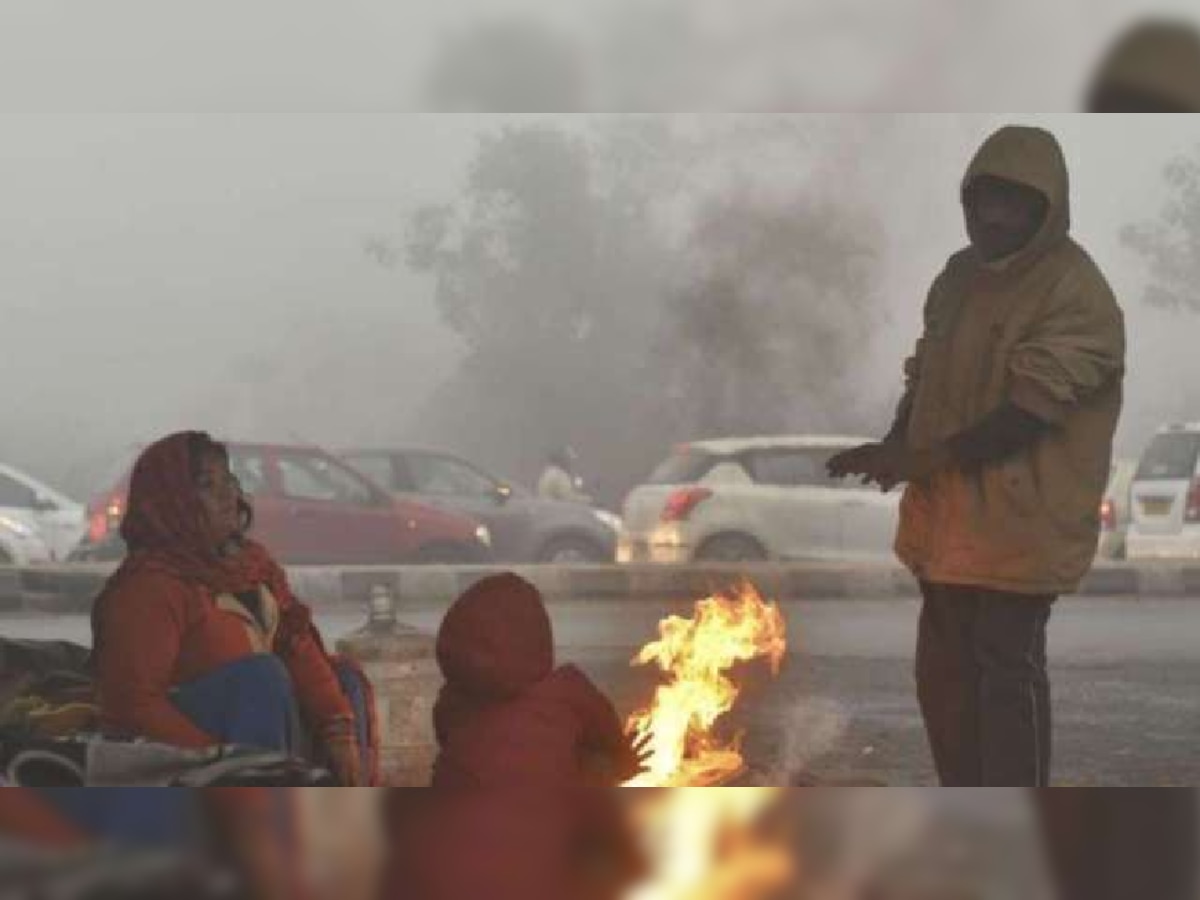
(1170, 245)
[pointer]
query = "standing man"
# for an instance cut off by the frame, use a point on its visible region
(1004, 438)
(558, 481)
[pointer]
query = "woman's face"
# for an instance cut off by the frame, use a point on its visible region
(219, 493)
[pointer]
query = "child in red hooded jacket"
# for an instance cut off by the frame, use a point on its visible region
(515, 810)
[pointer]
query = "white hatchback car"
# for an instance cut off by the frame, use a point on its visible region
(1165, 497)
(54, 521)
(742, 500)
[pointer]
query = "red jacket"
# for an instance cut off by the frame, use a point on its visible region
(510, 813)
(168, 615)
(160, 631)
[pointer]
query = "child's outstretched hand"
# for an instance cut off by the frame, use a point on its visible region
(635, 756)
(613, 766)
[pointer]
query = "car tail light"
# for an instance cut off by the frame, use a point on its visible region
(97, 527)
(683, 503)
(1191, 513)
(105, 519)
(1108, 516)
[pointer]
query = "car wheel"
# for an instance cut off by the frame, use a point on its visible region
(566, 551)
(732, 548)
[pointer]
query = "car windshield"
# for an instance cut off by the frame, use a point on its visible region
(684, 467)
(1170, 457)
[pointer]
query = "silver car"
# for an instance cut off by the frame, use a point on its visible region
(524, 528)
(1165, 497)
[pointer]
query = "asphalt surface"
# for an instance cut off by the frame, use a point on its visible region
(1125, 675)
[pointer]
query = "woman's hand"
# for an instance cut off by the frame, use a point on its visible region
(346, 761)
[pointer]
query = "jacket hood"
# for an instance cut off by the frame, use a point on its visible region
(1031, 157)
(496, 641)
(1156, 59)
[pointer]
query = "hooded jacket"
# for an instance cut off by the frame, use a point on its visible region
(506, 716)
(1042, 330)
(1156, 60)
(509, 816)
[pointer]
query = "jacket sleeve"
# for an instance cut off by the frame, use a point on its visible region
(602, 728)
(299, 646)
(143, 625)
(1075, 351)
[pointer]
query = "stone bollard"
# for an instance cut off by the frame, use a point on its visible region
(400, 662)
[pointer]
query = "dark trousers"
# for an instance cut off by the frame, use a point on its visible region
(983, 686)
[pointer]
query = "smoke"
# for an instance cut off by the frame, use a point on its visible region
(812, 729)
(215, 277)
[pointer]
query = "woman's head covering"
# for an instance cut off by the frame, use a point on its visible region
(164, 523)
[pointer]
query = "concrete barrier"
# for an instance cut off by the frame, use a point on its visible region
(71, 589)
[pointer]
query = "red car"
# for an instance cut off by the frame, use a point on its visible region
(312, 509)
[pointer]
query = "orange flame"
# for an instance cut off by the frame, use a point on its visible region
(695, 656)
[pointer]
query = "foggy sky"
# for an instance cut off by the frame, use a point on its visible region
(371, 55)
(185, 192)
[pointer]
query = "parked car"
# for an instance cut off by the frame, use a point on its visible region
(1165, 497)
(313, 509)
(1116, 512)
(21, 544)
(57, 521)
(524, 527)
(757, 499)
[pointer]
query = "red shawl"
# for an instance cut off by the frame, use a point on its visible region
(164, 523)
(164, 529)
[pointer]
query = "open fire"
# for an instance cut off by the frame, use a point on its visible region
(696, 657)
(706, 844)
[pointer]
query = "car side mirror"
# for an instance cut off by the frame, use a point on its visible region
(45, 504)
(504, 493)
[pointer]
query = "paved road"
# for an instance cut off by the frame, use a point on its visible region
(1126, 674)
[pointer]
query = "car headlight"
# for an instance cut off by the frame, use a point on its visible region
(484, 535)
(20, 529)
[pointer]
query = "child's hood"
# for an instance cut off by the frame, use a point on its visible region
(496, 640)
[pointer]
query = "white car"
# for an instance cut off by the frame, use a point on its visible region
(1165, 497)
(56, 521)
(757, 499)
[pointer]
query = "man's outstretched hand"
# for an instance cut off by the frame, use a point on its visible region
(862, 461)
(888, 464)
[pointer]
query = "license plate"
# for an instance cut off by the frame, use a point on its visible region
(1157, 506)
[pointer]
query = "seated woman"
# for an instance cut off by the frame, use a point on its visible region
(197, 639)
